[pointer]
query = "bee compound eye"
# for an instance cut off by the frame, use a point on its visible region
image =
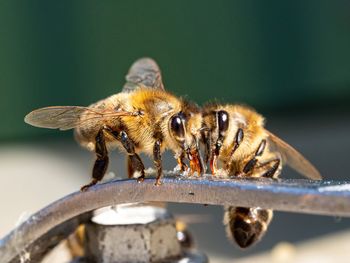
(177, 127)
(223, 121)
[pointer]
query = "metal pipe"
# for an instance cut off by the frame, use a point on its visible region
(303, 196)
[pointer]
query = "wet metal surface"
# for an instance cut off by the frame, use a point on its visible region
(303, 196)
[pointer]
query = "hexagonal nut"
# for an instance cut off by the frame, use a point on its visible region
(151, 242)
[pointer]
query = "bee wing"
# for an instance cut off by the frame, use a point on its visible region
(143, 73)
(293, 158)
(67, 117)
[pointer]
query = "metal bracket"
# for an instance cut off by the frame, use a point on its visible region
(302, 196)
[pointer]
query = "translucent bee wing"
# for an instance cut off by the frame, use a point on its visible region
(293, 158)
(143, 73)
(68, 117)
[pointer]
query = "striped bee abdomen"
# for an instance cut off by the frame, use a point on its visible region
(246, 225)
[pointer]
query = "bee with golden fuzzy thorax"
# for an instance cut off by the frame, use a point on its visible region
(235, 136)
(142, 118)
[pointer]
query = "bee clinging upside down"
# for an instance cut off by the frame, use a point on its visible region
(235, 136)
(142, 118)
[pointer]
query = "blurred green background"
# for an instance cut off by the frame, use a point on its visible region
(288, 59)
(277, 56)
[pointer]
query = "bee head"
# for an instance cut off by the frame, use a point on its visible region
(185, 128)
(215, 126)
(177, 127)
(222, 119)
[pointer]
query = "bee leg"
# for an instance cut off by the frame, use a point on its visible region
(269, 169)
(101, 162)
(158, 160)
(238, 139)
(130, 168)
(250, 165)
(136, 165)
(206, 139)
(181, 163)
(134, 162)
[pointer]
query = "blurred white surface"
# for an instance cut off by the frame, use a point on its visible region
(32, 177)
(328, 249)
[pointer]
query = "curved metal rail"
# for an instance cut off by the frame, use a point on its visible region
(304, 196)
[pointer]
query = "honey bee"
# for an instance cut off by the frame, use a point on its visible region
(143, 117)
(235, 136)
